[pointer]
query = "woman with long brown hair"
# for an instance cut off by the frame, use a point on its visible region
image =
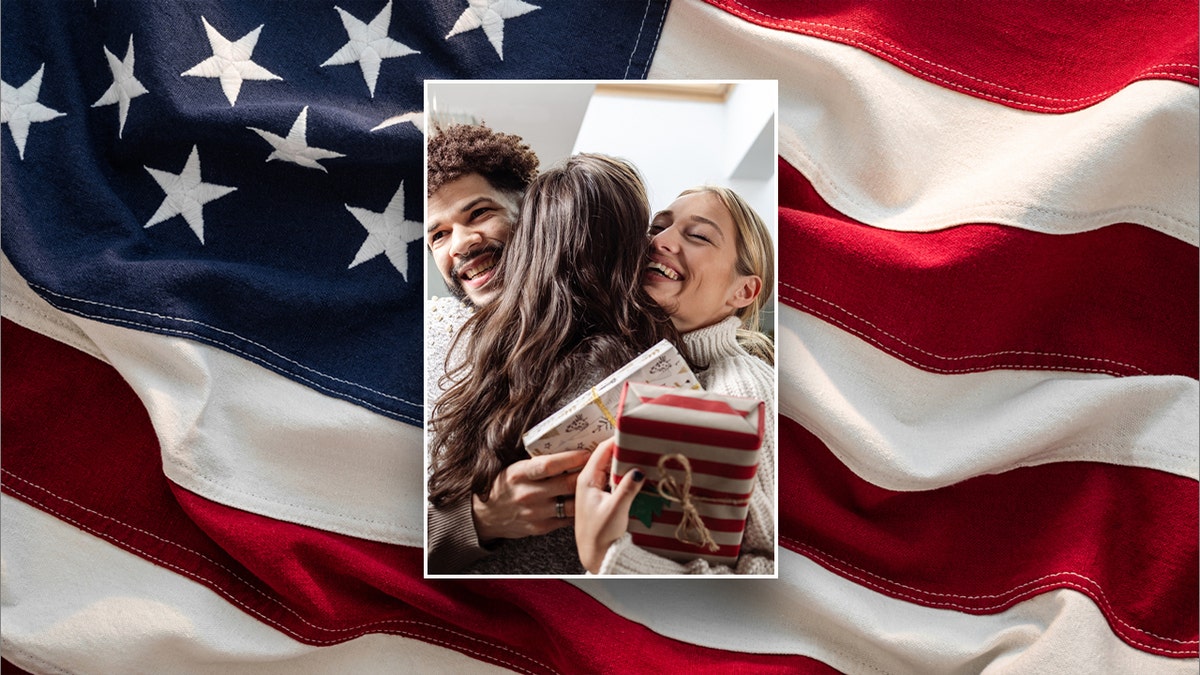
(571, 310)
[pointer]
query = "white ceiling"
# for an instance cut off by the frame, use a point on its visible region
(547, 116)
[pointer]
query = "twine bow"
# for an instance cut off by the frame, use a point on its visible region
(670, 490)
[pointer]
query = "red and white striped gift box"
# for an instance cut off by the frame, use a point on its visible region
(720, 436)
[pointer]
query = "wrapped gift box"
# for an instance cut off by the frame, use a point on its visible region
(587, 420)
(720, 437)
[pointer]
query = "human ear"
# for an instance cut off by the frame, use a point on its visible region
(745, 290)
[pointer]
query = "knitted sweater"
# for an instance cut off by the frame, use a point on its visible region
(444, 318)
(733, 372)
(453, 547)
(452, 542)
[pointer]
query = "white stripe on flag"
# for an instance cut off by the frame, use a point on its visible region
(125, 609)
(846, 121)
(247, 437)
(75, 603)
(904, 428)
(814, 612)
(26, 308)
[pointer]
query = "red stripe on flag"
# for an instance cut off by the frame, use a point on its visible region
(1122, 300)
(78, 445)
(650, 461)
(1126, 537)
(1029, 55)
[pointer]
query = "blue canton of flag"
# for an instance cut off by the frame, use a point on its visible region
(249, 174)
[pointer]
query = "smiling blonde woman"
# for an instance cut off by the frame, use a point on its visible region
(712, 267)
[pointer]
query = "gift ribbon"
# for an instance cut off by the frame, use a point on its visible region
(603, 408)
(670, 490)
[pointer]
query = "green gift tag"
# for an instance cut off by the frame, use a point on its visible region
(645, 506)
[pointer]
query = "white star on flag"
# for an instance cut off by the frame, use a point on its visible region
(417, 119)
(19, 108)
(490, 15)
(388, 233)
(125, 86)
(186, 194)
(369, 45)
(295, 147)
(231, 62)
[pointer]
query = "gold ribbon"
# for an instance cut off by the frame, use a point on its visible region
(670, 490)
(603, 408)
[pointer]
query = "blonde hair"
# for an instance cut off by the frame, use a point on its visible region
(755, 256)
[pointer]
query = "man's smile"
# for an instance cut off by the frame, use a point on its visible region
(476, 270)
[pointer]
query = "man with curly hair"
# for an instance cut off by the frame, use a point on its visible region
(476, 178)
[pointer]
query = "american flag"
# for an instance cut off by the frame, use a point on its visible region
(987, 339)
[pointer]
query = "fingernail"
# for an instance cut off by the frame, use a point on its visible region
(638, 476)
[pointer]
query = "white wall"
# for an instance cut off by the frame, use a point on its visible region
(678, 144)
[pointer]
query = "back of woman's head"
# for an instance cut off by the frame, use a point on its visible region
(580, 240)
(571, 309)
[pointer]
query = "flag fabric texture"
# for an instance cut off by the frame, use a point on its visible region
(987, 339)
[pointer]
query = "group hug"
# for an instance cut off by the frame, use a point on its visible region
(558, 279)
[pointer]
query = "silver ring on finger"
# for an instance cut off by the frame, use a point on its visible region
(560, 508)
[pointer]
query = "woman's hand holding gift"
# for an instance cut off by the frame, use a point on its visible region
(601, 517)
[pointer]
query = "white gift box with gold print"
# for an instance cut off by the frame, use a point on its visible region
(589, 418)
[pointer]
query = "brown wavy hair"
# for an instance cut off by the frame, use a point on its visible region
(571, 310)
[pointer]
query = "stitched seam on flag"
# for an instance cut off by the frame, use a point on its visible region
(252, 357)
(1028, 588)
(657, 36)
(69, 338)
(841, 31)
(276, 601)
(240, 603)
(949, 358)
(924, 366)
(638, 41)
(271, 500)
(220, 330)
(1177, 227)
(145, 532)
(9, 648)
(39, 312)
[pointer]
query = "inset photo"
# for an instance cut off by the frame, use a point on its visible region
(600, 383)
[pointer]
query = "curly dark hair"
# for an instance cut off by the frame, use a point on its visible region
(504, 160)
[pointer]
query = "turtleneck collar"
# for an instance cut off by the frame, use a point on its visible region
(719, 339)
